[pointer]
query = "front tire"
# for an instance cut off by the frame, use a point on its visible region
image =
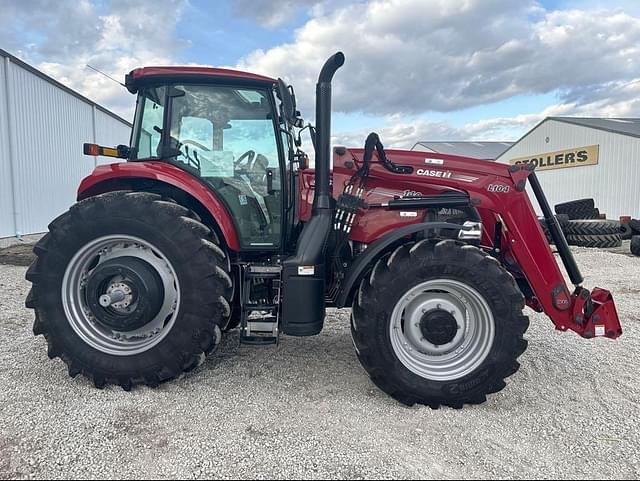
(439, 323)
(129, 288)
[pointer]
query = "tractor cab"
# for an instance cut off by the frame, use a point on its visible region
(228, 130)
(233, 132)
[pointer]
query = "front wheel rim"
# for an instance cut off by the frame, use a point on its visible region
(462, 350)
(82, 320)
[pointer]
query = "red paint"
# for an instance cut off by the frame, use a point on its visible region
(167, 173)
(206, 72)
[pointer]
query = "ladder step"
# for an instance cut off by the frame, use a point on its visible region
(261, 307)
(263, 271)
(262, 275)
(261, 326)
(258, 340)
(265, 268)
(260, 329)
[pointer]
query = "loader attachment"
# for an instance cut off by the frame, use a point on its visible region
(589, 314)
(595, 314)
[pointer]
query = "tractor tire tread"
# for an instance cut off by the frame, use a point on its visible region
(593, 227)
(595, 241)
(430, 258)
(208, 281)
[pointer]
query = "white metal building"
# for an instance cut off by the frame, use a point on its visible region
(585, 157)
(43, 125)
(475, 149)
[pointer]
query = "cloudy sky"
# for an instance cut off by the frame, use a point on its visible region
(415, 69)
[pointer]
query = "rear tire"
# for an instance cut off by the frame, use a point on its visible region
(484, 349)
(171, 236)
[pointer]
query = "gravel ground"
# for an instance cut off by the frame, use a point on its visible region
(306, 409)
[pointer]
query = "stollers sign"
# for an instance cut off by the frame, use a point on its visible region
(562, 159)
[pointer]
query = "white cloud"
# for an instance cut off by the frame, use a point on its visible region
(415, 56)
(405, 58)
(276, 13)
(614, 100)
(129, 35)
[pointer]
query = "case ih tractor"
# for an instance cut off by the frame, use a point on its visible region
(217, 222)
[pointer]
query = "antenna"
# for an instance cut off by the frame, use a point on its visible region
(109, 77)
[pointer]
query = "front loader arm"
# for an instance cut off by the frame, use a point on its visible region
(588, 314)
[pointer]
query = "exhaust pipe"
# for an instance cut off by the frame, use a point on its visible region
(323, 127)
(303, 274)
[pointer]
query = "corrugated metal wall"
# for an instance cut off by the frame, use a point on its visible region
(42, 129)
(6, 190)
(613, 183)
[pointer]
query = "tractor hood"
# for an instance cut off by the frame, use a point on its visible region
(425, 164)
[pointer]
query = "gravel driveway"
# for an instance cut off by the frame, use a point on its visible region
(307, 409)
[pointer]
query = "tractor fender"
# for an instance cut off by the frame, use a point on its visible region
(376, 249)
(128, 175)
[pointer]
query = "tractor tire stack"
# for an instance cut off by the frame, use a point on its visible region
(594, 233)
(634, 235)
(585, 226)
(578, 209)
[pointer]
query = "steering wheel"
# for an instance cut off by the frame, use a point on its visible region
(197, 144)
(250, 155)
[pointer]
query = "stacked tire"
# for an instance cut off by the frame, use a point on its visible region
(594, 233)
(635, 245)
(634, 227)
(578, 209)
(585, 228)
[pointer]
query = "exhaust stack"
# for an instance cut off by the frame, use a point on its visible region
(323, 127)
(303, 274)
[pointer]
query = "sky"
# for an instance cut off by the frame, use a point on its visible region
(415, 70)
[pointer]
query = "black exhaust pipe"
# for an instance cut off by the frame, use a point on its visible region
(323, 127)
(303, 275)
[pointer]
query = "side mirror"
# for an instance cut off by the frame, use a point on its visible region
(288, 107)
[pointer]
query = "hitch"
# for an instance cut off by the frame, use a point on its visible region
(594, 314)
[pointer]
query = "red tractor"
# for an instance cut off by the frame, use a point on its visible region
(216, 222)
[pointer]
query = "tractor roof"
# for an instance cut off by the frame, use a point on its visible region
(142, 75)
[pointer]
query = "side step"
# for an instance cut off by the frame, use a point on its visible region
(259, 321)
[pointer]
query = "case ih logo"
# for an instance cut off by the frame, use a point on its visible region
(443, 174)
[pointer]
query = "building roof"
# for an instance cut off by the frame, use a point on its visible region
(629, 126)
(623, 126)
(476, 150)
(44, 76)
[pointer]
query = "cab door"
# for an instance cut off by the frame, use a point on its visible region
(228, 137)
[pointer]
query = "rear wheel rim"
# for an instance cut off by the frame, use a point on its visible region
(463, 350)
(83, 321)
